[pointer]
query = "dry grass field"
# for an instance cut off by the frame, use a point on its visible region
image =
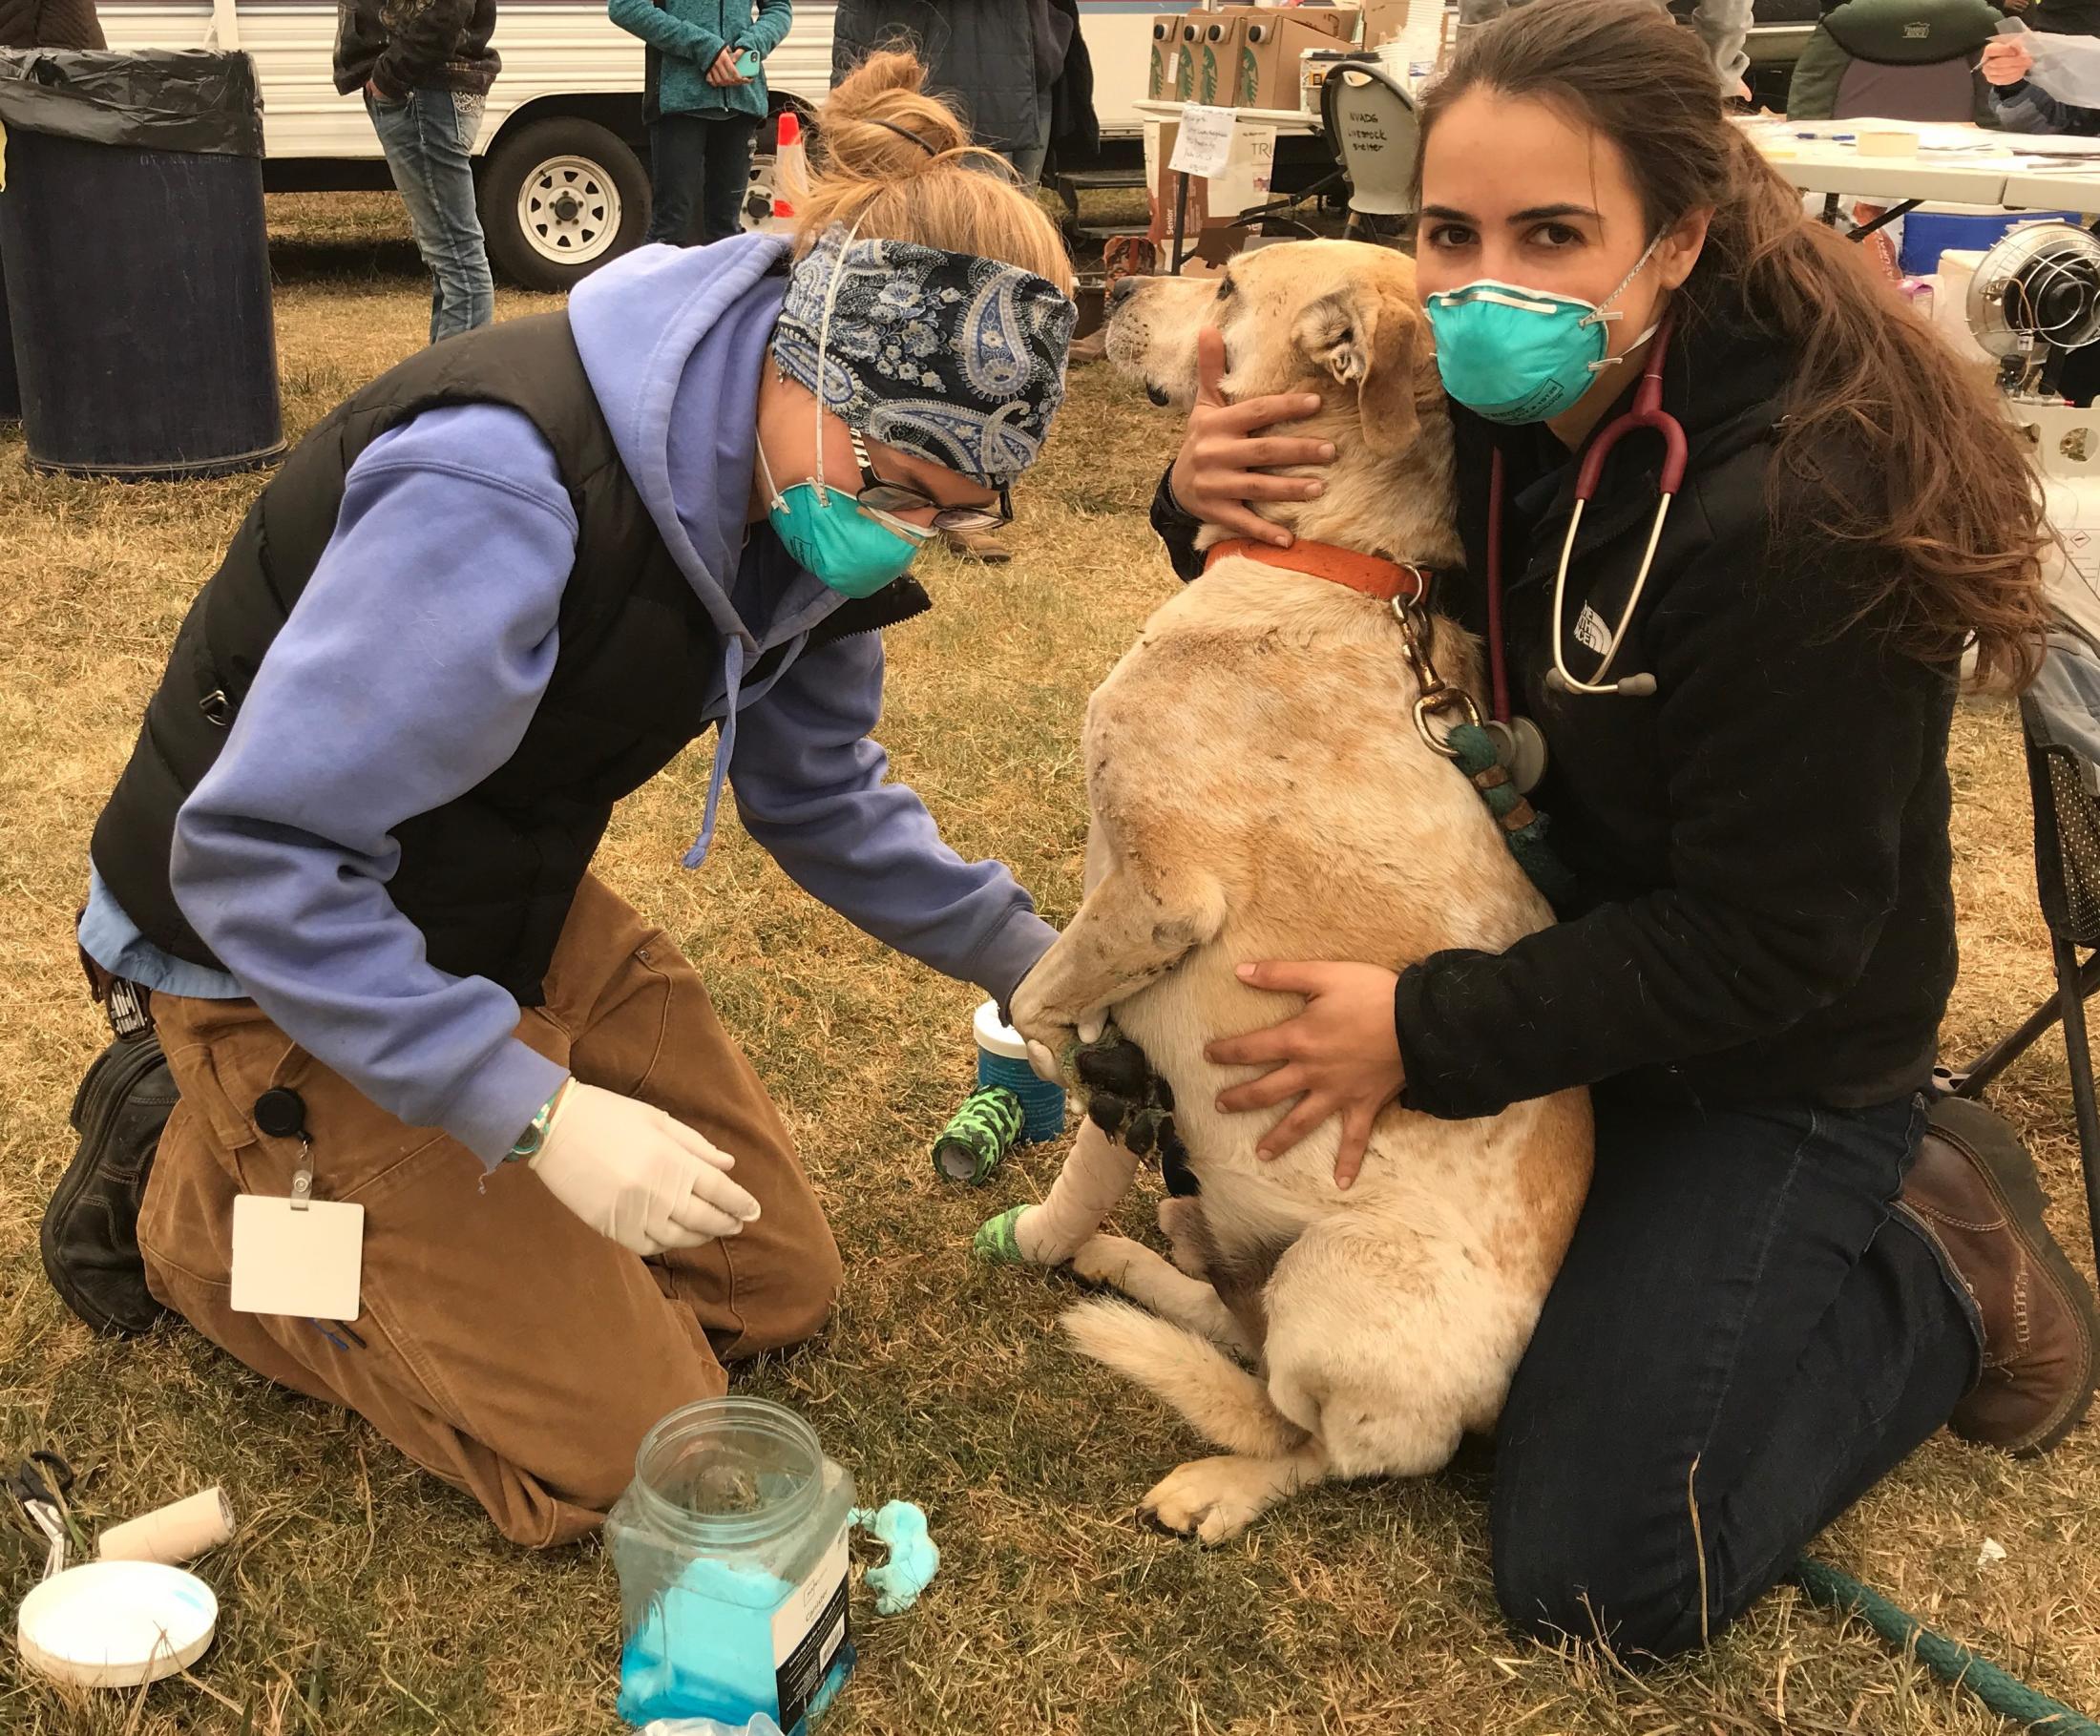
(361, 1596)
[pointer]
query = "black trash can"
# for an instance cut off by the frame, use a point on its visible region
(10, 390)
(137, 267)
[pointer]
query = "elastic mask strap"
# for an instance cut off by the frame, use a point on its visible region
(766, 474)
(824, 341)
(1604, 309)
(1598, 367)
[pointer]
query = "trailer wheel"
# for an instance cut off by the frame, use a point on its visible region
(559, 198)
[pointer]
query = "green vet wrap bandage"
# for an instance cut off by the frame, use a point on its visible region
(983, 1131)
(994, 1239)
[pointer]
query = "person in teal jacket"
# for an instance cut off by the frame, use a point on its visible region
(704, 100)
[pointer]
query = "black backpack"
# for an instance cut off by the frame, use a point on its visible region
(90, 1237)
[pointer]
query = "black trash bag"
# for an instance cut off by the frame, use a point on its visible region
(157, 99)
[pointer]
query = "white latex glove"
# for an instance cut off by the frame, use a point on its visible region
(634, 1174)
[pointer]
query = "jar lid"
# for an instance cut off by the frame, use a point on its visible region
(995, 1036)
(116, 1623)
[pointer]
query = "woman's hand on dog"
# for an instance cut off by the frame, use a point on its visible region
(1226, 454)
(1339, 1057)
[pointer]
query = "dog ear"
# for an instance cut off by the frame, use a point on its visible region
(1366, 337)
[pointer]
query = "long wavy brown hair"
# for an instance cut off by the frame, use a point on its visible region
(1907, 457)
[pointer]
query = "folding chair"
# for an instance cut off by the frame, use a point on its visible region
(2064, 776)
(1371, 128)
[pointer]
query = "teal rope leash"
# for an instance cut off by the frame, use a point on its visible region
(1522, 825)
(1947, 1659)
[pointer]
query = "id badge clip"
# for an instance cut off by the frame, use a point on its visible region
(301, 1255)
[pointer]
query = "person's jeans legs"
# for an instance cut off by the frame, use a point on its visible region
(1028, 159)
(700, 167)
(1743, 1339)
(428, 141)
(677, 152)
(726, 177)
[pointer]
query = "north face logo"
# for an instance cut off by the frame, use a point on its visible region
(1917, 33)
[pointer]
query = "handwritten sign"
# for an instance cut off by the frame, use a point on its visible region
(1204, 145)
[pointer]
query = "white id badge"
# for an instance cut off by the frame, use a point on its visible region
(304, 1262)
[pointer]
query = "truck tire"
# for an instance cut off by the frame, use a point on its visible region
(559, 198)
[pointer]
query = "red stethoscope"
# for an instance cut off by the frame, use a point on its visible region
(1522, 745)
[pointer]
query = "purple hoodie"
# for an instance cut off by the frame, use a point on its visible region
(418, 652)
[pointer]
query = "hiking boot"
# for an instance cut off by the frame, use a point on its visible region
(1974, 1191)
(978, 545)
(90, 1237)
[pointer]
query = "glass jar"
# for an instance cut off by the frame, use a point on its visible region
(730, 1545)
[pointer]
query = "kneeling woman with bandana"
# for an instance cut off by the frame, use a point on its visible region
(493, 592)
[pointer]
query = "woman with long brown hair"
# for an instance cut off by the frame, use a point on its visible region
(1774, 1292)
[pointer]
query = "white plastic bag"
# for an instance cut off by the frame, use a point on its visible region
(2066, 67)
(760, 1725)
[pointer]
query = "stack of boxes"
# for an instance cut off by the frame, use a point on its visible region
(1246, 58)
(1242, 56)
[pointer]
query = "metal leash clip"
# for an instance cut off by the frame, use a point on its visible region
(1434, 694)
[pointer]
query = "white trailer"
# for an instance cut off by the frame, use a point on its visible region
(559, 161)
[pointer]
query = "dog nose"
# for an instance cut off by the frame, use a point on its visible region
(1120, 291)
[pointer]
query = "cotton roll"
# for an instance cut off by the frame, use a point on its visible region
(171, 1534)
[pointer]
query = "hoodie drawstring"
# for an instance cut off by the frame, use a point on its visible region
(726, 741)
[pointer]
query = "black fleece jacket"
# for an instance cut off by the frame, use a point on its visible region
(1764, 908)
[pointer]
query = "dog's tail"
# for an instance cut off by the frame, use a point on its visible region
(1227, 1404)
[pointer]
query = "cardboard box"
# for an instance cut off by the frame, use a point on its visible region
(1383, 20)
(1218, 59)
(1337, 21)
(1190, 53)
(1272, 47)
(1166, 67)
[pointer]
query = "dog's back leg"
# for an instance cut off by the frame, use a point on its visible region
(1389, 1345)
(1181, 1223)
(1144, 1277)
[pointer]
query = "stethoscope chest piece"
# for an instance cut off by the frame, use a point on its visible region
(1520, 750)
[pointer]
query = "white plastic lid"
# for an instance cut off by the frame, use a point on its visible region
(997, 1038)
(116, 1623)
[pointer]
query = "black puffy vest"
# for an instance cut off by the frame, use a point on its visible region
(488, 878)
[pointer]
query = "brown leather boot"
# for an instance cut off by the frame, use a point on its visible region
(978, 545)
(1974, 1191)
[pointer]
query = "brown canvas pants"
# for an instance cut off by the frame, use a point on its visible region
(506, 1348)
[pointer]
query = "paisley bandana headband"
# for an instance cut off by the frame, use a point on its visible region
(957, 359)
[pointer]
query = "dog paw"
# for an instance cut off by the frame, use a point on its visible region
(1211, 1499)
(1106, 1259)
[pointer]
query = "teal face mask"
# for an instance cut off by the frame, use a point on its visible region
(852, 549)
(1515, 355)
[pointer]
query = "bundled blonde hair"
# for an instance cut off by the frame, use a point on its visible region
(898, 165)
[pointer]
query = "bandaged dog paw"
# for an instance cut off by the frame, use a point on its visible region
(1021, 1235)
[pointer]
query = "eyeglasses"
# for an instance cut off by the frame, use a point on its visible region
(900, 497)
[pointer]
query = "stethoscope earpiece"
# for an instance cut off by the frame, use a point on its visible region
(1626, 687)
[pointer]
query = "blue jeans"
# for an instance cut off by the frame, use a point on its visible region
(428, 140)
(1028, 159)
(700, 166)
(1744, 1339)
